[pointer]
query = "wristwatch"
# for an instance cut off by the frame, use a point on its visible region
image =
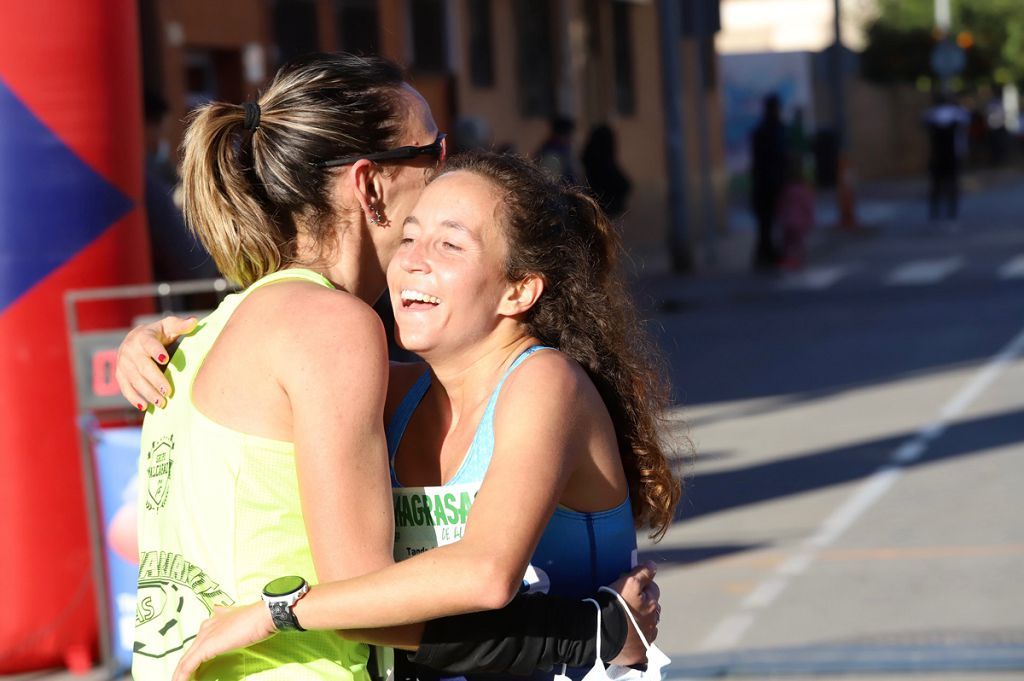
(280, 595)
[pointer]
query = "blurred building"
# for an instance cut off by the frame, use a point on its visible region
(498, 68)
(786, 47)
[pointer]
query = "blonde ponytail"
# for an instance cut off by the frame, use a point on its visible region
(220, 204)
(247, 188)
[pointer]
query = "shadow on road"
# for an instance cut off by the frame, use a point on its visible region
(694, 554)
(714, 492)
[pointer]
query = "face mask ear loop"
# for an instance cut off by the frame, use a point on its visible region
(598, 606)
(629, 614)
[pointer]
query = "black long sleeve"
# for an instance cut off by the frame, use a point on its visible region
(534, 632)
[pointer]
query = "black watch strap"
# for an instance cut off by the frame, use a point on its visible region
(284, 618)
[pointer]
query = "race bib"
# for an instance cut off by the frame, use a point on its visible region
(428, 517)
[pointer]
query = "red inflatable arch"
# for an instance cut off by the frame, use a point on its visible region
(70, 218)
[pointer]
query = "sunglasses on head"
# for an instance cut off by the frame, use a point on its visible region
(438, 149)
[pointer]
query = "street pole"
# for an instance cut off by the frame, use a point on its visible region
(709, 213)
(675, 159)
(838, 89)
(942, 23)
(942, 16)
(844, 190)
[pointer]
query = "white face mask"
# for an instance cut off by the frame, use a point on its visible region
(656, 660)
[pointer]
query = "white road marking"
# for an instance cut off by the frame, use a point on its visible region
(1013, 269)
(813, 278)
(922, 272)
(729, 632)
(765, 593)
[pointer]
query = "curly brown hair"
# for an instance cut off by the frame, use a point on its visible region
(560, 234)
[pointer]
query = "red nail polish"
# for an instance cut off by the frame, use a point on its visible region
(140, 407)
(162, 358)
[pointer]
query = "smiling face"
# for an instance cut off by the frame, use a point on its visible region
(447, 279)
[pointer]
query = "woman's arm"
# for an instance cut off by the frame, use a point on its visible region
(535, 631)
(332, 365)
(535, 430)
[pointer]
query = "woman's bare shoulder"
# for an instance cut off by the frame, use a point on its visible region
(550, 379)
(298, 327)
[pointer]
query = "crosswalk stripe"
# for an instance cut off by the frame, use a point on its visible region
(1014, 269)
(920, 272)
(814, 278)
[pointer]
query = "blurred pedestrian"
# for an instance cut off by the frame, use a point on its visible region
(608, 183)
(555, 154)
(796, 135)
(795, 216)
(768, 143)
(995, 122)
(947, 140)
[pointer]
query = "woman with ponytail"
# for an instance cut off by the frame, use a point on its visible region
(265, 455)
(529, 444)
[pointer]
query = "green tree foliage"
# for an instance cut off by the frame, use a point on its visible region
(900, 40)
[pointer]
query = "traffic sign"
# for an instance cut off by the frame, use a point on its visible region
(948, 59)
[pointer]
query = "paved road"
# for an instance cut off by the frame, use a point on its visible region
(855, 502)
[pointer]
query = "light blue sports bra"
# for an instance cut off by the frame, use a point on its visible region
(577, 553)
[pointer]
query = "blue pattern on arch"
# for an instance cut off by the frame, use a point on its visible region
(52, 204)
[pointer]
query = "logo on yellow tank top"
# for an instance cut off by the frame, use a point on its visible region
(174, 597)
(158, 472)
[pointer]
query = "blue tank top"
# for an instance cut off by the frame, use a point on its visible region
(577, 553)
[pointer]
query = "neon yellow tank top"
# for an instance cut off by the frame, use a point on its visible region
(219, 517)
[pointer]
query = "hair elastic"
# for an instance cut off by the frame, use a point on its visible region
(252, 116)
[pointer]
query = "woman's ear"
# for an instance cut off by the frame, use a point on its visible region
(366, 185)
(522, 295)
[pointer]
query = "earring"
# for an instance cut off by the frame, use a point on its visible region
(376, 217)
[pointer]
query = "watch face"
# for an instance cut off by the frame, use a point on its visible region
(282, 586)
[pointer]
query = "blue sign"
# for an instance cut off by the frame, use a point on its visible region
(948, 59)
(116, 452)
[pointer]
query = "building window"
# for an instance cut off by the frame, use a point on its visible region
(358, 26)
(295, 28)
(622, 37)
(481, 48)
(535, 60)
(212, 75)
(429, 35)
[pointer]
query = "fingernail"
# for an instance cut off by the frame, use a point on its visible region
(139, 407)
(161, 358)
(163, 391)
(651, 565)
